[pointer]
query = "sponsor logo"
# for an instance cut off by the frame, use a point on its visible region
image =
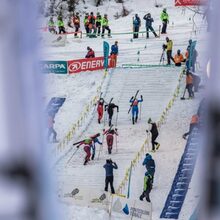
(53, 67)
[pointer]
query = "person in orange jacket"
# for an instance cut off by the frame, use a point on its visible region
(189, 84)
(76, 22)
(100, 109)
(178, 58)
(193, 124)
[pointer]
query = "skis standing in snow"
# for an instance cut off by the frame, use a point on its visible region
(135, 109)
(110, 109)
(154, 134)
(147, 187)
(194, 123)
(110, 137)
(109, 177)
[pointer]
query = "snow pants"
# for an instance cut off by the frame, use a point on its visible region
(150, 28)
(100, 113)
(76, 30)
(145, 194)
(190, 90)
(106, 28)
(110, 140)
(109, 179)
(164, 27)
(136, 29)
(153, 142)
(88, 153)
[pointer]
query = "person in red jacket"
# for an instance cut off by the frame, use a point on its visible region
(90, 53)
(100, 109)
(110, 137)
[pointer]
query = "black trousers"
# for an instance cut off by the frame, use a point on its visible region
(150, 28)
(164, 28)
(190, 90)
(110, 114)
(169, 57)
(98, 26)
(145, 194)
(154, 143)
(62, 29)
(76, 29)
(109, 179)
(136, 29)
(106, 28)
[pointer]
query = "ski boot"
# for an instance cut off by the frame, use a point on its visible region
(157, 146)
(136, 119)
(133, 120)
(93, 156)
(99, 121)
(184, 136)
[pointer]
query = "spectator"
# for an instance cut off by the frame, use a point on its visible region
(76, 22)
(105, 26)
(169, 47)
(60, 25)
(114, 54)
(189, 84)
(178, 58)
(98, 23)
(149, 20)
(136, 25)
(91, 20)
(51, 130)
(165, 20)
(90, 53)
(109, 178)
(86, 24)
(52, 26)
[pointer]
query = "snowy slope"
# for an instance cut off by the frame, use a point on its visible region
(156, 85)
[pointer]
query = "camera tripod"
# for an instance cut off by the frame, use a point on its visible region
(162, 58)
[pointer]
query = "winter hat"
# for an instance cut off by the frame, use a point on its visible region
(149, 121)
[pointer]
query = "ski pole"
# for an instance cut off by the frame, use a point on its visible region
(72, 155)
(116, 143)
(140, 111)
(116, 120)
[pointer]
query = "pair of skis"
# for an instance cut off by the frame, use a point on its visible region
(133, 101)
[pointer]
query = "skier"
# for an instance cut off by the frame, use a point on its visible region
(52, 26)
(165, 20)
(91, 20)
(110, 109)
(149, 20)
(178, 58)
(88, 145)
(169, 47)
(189, 83)
(105, 26)
(86, 24)
(98, 23)
(109, 178)
(100, 108)
(95, 140)
(136, 25)
(147, 187)
(154, 134)
(114, 53)
(149, 164)
(76, 22)
(60, 25)
(194, 123)
(90, 53)
(135, 108)
(110, 137)
(51, 130)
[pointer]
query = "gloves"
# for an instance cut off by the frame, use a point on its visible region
(116, 129)
(77, 147)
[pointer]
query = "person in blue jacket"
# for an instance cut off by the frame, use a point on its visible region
(149, 164)
(135, 110)
(109, 178)
(94, 141)
(136, 25)
(149, 20)
(114, 48)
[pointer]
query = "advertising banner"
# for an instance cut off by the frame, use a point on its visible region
(91, 64)
(190, 2)
(59, 67)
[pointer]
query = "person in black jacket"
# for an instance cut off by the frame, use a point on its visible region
(136, 25)
(109, 178)
(110, 109)
(154, 134)
(149, 20)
